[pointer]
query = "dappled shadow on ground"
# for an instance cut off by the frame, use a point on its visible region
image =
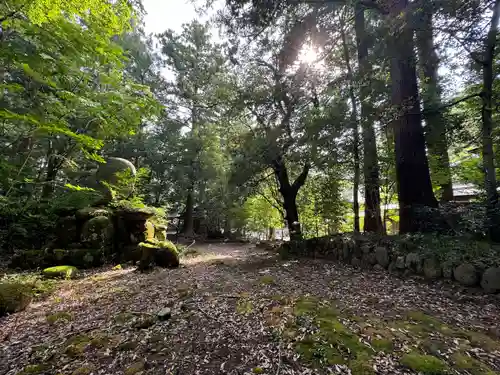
(237, 309)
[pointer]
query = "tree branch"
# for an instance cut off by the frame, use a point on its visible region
(300, 181)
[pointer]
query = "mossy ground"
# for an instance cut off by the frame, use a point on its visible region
(316, 318)
(332, 336)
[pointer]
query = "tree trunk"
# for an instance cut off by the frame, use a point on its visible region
(355, 131)
(50, 175)
(412, 168)
(435, 121)
(188, 227)
(373, 220)
(490, 182)
(289, 194)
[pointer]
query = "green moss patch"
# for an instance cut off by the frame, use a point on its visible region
(425, 364)
(59, 316)
(471, 365)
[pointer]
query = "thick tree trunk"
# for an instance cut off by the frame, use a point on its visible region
(289, 194)
(188, 227)
(373, 220)
(412, 168)
(490, 182)
(355, 131)
(435, 121)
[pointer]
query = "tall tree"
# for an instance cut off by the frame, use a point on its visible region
(412, 168)
(435, 121)
(373, 220)
(197, 65)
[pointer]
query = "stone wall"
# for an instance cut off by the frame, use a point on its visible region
(468, 262)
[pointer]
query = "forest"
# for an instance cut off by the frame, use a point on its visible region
(276, 187)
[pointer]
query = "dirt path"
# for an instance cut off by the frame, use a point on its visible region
(238, 310)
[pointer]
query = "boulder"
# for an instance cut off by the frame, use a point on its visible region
(356, 262)
(84, 258)
(413, 262)
(466, 274)
(161, 232)
(97, 232)
(432, 269)
(490, 280)
(14, 297)
(382, 256)
(378, 267)
(369, 260)
(400, 263)
(447, 269)
(66, 272)
(366, 248)
(89, 212)
(163, 254)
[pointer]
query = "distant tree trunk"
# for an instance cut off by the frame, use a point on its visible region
(490, 182)
(289, 194)
(373, 220)
(227, 227)
(412, 168)
(271, 236)
(355, 131)
(435, 121)
(50, 174)
(188, 227)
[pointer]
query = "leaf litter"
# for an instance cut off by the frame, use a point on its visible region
(235, 309)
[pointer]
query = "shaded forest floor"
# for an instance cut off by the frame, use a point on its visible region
(239, 310)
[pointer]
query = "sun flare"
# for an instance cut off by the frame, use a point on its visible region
(308, 54)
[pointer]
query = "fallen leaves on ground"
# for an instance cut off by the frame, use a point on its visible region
(234, 309)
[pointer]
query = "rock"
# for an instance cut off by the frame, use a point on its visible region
(382, 256)
(413, 262)
(356, 262)
(378, 267)
(466, 274)
(400, 262)
(89, 212)
(14, 297)
(161, 232)
(366, 248)
(432, 269)
(149, 233)
(164, 314)
(447, 270)
(369, 260)
(163, 254)
(490, 280)
(66, 272)
(97, 232)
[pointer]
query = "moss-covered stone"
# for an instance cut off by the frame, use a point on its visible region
(162, 253)
(97, 232)
(425, 364)
(89, 212)
(149, 233)
(65, 272)
(14, 297)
